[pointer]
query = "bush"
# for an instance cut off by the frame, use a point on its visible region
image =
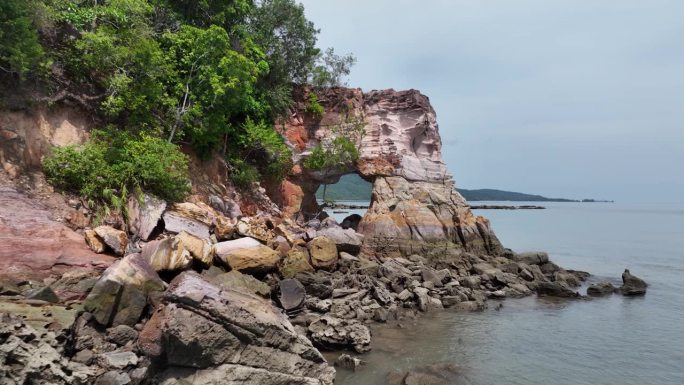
(312, 105)
(339, 154)
(265, 149)
(119, 162)
(242, 173)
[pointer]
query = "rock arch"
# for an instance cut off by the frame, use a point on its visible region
(414, 205)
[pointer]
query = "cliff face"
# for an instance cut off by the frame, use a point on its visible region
(414, 206)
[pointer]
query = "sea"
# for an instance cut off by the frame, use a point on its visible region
(538, 341)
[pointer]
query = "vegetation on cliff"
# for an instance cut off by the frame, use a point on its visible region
(212, 73)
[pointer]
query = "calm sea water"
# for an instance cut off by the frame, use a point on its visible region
(612, 340)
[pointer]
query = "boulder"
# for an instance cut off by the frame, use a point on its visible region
(292, 294)
(248, 255)
(600, 289)
(555, 289)
(346, 240)
(200, 249)
(121, 335)
(204, 334)
(632, 285)
(296, 261)
(117, 240)
(235, 280)
(351, 222)
(123, 292)
(323, 252)
(144, 213)
(176, 221)
(94, 241)
(254, 227)
(532, 257)
(43, 294)
(339, 333)
(348, 362)
(166, 255)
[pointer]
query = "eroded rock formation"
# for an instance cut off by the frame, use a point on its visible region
(414, 206)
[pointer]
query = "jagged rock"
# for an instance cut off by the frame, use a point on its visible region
(247, 254)
(122, 334)
(316, 285)
(44, 294)
(117, 360)
(351, 222)
(429, 275)
(335, 332)
(205, 334)
(8, 287)
(632, 285)
(296, 261)
(114, 377)
(123, 292)
(532, 257)
(348, 362)
(75, 284)
(201, 249)
(323, 252)
(238, 281)
(166, 255)
(30, 357)
(555, 289)
(346, 240)
(254, 227)
(117, 240)
(292, 294)
(144, 213)
(225, 228)
(94, 241)
(601, 289)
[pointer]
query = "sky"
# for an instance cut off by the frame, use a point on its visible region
(563, 98)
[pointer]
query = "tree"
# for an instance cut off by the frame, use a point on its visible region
(20, 49)
(330, 69)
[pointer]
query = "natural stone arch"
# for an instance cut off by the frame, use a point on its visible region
(414, 206)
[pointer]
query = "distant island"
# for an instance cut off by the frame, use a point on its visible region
(353, 188)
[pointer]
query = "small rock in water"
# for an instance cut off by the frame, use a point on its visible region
(600, 289)
(632, 285)
(348, 362)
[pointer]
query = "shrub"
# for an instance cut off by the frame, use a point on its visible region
(339, 154)
(242, 173)
(313, 106)
(119, 162)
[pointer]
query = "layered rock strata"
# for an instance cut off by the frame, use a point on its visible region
(414, 206)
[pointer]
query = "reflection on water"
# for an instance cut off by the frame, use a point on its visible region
(612, 340)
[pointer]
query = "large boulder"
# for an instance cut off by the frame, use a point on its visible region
(347, 240)
(165, 255)
(123, 292)
(204, 334)
(600, 289)
(632, 285)
(296, 261)
(201, 249)
(323, 251)
(117, 240)
(532, 257)
(144, 213)
(235, 280)
(190, 218)
(247, 254)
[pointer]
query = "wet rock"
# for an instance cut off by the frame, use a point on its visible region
(238, 281)
(43, 294)
(323, 253)
(468, 306)
(144, 213)
(600, 289)
(351, 222)
(296, 261)
(632, 285)
(335, 333)
(94, 241)
(292, 294)
(117, 240)
(204, 334)
(555, 289)
(121, 335)
(348, 362)
(532, 257)
(248, 255)
(346, 240)
(567, 278)
(123, 292)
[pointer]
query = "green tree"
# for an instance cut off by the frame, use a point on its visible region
(20, 49)
(330, 69)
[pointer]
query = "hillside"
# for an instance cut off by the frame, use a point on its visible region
(352, 187)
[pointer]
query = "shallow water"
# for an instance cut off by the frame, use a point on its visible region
(612, 340)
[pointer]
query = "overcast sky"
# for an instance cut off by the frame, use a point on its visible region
(564, 98)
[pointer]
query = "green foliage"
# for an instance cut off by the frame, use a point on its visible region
(242, 173)
(20, 50)
(340, 154)
(111, 163)
(330, 69)
(312, 105)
